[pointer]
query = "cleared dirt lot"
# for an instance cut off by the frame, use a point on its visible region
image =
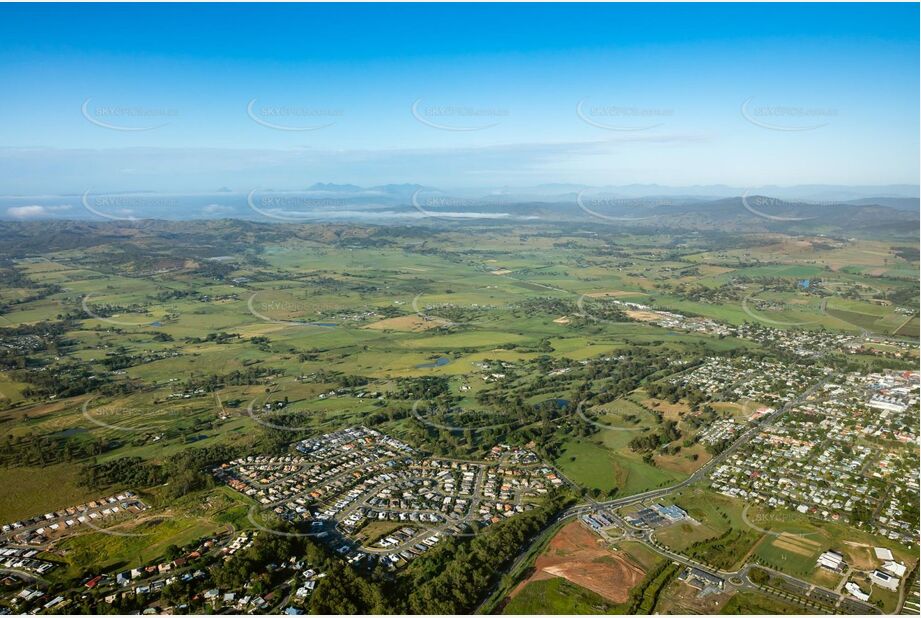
(580, 556)
(643, 316)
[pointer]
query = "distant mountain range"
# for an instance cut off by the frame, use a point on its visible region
(806, 193)
(392, 189)
(813, 208)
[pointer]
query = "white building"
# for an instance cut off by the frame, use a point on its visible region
(882, 553)
(884, 580)
(881, 402)
(856, 592)
(895, 568)
(831, 560)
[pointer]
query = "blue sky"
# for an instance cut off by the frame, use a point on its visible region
(504, 95)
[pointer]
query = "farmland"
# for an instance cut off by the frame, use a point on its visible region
(622, 362)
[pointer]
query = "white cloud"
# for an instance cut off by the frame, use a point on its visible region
(34, 210)
(213, 209)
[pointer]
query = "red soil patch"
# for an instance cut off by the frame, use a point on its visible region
(579, 556)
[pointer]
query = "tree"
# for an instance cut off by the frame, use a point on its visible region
(172, 552)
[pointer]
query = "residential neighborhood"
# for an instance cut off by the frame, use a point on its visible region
(838, 457)
(372, 497)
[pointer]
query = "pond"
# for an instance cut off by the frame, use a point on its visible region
(438, 362)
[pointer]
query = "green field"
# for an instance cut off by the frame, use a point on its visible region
(608, 465)
(30, 491)
(107, 551)
(559, 596)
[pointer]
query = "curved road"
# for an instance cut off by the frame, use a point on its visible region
(647, 538)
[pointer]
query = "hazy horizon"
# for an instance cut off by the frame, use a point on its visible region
(328, 202)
